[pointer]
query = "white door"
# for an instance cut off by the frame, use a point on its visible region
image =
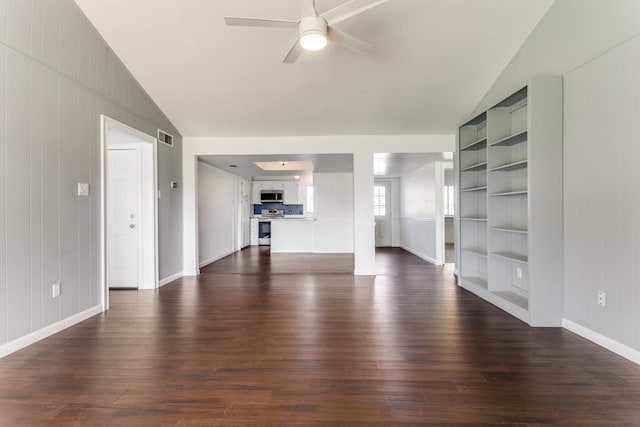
(245, 214)
(382, 212)
(123, 235)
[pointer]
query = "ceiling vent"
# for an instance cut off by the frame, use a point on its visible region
(165, 138)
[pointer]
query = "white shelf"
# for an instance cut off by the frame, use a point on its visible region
(510, 193)
(513, 298)
(474, 219)
(476, 167)
(510, 166)
(511, 257)
(476, 251)
(477, 145)
(509, 230)
(466, 190)
(516, 138)
(476, 281)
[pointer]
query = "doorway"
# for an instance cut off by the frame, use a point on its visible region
(129, 208)
(383, 212)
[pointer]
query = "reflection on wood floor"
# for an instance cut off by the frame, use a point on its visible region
(296, 340)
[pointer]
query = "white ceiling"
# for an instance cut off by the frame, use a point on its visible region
(433, 60)
(322, 163)
(385, 164)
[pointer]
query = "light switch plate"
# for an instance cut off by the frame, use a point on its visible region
(83, 189)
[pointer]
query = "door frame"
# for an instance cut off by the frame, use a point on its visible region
(107, 124)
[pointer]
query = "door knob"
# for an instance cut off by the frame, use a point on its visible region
(132, 226)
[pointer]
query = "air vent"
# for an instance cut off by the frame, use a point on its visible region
(165, 138)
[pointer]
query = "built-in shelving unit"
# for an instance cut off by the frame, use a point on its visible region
(473, 205)
(509, 213)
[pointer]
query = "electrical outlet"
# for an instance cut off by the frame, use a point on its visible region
(55, 290)
(519, 273)
(602, 298)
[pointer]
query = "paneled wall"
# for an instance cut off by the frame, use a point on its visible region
(602, 194)
(57, 76)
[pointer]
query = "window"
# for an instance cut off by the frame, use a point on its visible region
(448, 199)
(380, 200)
(309, 205)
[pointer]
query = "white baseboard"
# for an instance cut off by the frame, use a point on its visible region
(170, 279)
(215, 258)
(419, 254)
(606, 342)
(47, 331)
(364, 273)
(292, 252)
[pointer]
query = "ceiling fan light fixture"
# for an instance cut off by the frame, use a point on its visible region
(313, 33)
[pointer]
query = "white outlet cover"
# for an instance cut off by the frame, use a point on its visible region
(83, 189)
(602, 298)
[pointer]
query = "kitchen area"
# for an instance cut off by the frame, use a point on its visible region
(283, 203)
(282, 215)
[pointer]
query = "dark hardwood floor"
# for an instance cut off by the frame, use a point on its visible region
(295, 340)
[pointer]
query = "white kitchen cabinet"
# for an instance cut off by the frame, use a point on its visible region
(254, 231)
(272, 185)
(292, 193)
(256, 187)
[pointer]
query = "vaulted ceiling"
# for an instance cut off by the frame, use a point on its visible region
(432, 62)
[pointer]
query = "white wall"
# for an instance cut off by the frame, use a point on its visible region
(57, 76)
(216, 213)
(333, 210)
(594, 45)
(421, 227)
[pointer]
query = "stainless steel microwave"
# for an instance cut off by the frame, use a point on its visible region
(271, 196)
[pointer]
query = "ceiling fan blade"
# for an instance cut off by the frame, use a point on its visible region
(349, 9)
(348, 41)
(294, 53)
(307, 8)
(257, 22)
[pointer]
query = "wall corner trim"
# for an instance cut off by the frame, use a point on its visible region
(47, 331)
(216, 258)
(170, 279)
(603, 341)
(420, 255)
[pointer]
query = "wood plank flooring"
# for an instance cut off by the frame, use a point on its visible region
(296, 340)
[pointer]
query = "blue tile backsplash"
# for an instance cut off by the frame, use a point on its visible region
(288, 209)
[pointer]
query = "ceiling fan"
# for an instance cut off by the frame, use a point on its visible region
(314, 28)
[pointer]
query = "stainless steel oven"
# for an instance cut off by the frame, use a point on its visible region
(264, 232)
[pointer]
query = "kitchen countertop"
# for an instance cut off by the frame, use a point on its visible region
(286, 217)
